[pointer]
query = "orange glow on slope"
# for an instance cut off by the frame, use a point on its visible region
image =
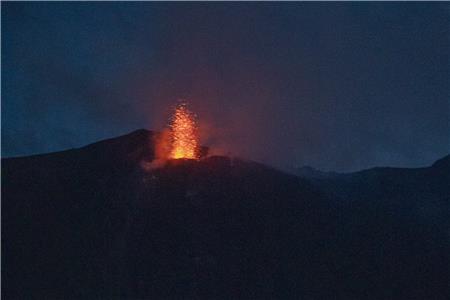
(184, 134)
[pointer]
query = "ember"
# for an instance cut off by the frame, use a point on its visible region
(184, 131)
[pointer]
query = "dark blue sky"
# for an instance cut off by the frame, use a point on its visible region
(339, 86)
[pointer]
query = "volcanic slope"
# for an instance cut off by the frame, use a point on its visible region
(92, 223)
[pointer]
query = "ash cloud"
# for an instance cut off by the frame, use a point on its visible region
(161, 141)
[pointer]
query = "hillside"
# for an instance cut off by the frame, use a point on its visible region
(92, 223)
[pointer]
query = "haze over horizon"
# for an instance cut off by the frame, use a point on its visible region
(341, 86)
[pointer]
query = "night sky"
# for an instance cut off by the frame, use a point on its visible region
(337, 86)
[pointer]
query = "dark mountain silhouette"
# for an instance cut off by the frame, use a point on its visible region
(384, 183)
(91, 223)
(311, 173)
(398, 221)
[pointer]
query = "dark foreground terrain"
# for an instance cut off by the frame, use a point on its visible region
(91, 223)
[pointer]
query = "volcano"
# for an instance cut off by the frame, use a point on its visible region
(91, 223)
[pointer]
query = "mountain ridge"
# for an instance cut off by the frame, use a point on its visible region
(92, 223)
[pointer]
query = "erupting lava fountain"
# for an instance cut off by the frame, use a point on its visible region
(184, 133)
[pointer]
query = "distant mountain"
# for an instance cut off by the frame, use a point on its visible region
(395, 212)
(416, 183)
(92, 223)
(311, 173)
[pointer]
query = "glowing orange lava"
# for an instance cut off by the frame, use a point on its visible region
(184, 134)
